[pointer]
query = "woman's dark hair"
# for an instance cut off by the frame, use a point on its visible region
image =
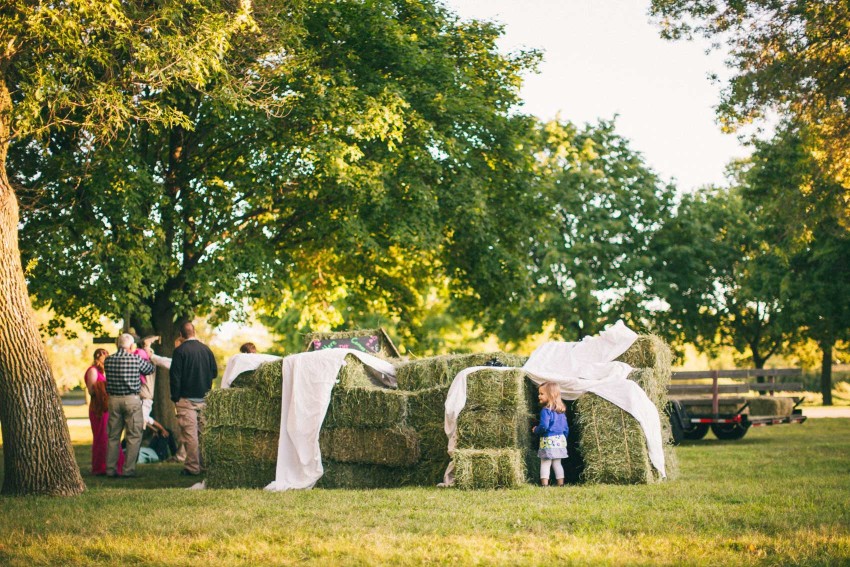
(248, 348)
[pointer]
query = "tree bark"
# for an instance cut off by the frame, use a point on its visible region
(826, 372)
(163, 407)
(37, 453)
(758, 362)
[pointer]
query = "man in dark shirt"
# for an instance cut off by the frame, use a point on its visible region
(193, 370)
(122, 371)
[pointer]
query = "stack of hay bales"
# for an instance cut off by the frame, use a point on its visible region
(492, 429)
(376, 437)
(404, 429)
(240, 430)
(611, 443)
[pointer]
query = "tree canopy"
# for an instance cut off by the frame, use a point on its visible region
(397, 159)
(589, 265)
(805, 213)
(788, 58)
(719, 278)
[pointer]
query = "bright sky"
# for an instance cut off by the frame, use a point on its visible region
(604, 57)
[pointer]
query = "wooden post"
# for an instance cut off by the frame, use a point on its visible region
(715, 399)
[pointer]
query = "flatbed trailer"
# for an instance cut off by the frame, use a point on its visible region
(696, 408)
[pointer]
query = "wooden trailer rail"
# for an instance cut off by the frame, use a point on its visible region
(715, 388)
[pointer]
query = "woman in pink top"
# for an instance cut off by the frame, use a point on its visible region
(99, 414)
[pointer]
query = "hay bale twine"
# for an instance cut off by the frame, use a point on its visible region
(488, 468)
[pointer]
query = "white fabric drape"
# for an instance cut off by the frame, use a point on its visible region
(308, 379)
(578, 367)
(243, 362)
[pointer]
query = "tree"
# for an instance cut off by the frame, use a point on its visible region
(589, 263)
(397, 160)
(805, 215)
(719, 279)
(80, 64)
(789, 57)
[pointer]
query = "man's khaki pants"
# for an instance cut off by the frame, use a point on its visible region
(125, 412)
(188, 416)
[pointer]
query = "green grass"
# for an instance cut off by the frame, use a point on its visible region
(779, 496)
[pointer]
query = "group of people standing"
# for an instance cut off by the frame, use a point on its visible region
(121, 386)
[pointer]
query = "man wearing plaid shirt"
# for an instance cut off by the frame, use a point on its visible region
(122, 371)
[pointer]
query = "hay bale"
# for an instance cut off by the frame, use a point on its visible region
(613, 447)
(353, 475)
(704, 408)
(423, 373)
(441, 370)
(426, 408)
(491, 430)
(612, 444)
(500, 391)
(243, 408)
(366, 407)
(488, 468)
(236, 444)
(246, 474)
(771, 405)
(353, 374)
(397, 447)
(267, 378)
(654, 383)
(649, 351)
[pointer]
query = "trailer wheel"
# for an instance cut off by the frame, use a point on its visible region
(697, 431)
(729, 431)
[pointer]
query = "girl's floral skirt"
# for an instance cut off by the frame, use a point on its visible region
(554, 447)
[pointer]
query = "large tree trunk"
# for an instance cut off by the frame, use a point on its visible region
(826, 372)
(37, 453)
(163, 407)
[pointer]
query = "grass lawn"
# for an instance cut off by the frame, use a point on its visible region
(780, 496)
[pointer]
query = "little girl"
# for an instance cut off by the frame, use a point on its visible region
(553, 431)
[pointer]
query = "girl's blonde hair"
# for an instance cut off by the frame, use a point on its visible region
(552, 394)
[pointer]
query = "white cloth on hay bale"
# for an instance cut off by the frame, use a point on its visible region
(308, 379)
(243, 362)
(578, 367)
